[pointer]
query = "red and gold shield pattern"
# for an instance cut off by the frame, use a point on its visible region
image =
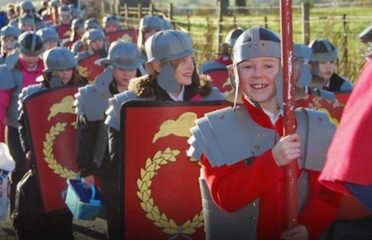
(127, 35)
(88, 68)
(343, 97)
(333, 109)
(220, 79)
(50, 120)
(161, 195)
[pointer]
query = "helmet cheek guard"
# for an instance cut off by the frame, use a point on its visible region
(305, 76)
(166, 79)
(303, 53)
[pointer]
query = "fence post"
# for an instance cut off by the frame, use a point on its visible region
(219, 24)
(170, 10)
(266, 22)
(126, 15)
(344, 43)
(188, 23)
(152, 9)
(117, 8)
(305, 12)
(139, 10)
(103, 9)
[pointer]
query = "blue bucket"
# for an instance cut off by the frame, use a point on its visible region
(84, 203)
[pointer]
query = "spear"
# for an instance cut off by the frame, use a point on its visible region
(289, 114)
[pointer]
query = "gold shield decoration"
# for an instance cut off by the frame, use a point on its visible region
(160, 189)
(50, 120)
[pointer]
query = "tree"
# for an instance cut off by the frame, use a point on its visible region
(240, 3)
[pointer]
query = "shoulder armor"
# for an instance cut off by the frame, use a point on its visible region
(7, 79)
(215, 94)
(316, 132)
(113, 112)
(346, 85)
(323, 94)
(104, 79)
(227, 137)
(26, 92)
(11, 60)
(209, 66)
(29, 90)
(91, 103)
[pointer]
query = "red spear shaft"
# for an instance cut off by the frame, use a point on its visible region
(289, 98)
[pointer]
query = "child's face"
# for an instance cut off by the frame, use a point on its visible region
(184, 70)
(123, 76)
(257, 79)
(326, 69)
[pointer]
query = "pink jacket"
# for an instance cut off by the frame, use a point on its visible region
(29, 78)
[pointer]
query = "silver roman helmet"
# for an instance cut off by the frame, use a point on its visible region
(148, 21)
(10, 31)
(59, 58)
(256, 42)
(30, 44)
(232, 36)
(322, 51)
(94, 34)
(48, 34)
(77, 23)
(27, 6)
(91, 23)
(123, 55)
(111, 20)
(167, 46)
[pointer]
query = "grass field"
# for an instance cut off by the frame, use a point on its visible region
(340, 25)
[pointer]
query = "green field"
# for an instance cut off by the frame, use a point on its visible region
(340, 25)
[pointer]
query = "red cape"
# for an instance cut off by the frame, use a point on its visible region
(349, 156)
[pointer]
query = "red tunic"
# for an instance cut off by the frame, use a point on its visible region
(63, 30)
(233, 187)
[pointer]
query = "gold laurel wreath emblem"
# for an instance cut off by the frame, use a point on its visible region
(147, 202)
(49, 158)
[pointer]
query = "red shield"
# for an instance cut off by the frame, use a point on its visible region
(88, 69)
(220, 79)
(159, 182)
(343, 96)
(64, 31)
(50, 120)
(127, 35)
(331, 108)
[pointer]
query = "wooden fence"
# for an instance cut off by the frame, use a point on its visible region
(208, 26)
